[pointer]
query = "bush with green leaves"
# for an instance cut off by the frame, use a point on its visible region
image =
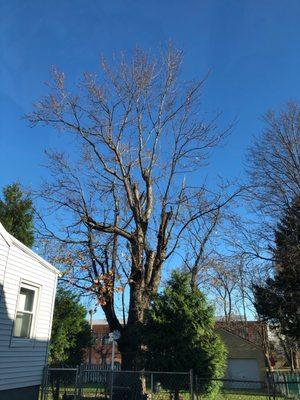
(71, 333)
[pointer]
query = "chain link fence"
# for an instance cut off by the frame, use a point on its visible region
(91, 382)
(232, 389)
(60, 383)
(87, 382)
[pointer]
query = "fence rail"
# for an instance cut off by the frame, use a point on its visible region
(88, 382)
(93, 372)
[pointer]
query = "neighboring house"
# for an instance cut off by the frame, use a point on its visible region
(254, 331)
(246, 357)
(101, 350)
(27, 293)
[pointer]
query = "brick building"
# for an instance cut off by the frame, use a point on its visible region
(101, 349)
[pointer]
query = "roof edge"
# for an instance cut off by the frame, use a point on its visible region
(10, 239)
(6, 236)
(240, 337)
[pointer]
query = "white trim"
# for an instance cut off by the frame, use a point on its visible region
(27, 342)
(5, 235)
(4, 274)
(51, 321)
(12, 240)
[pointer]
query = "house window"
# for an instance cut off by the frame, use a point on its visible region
(25, 312)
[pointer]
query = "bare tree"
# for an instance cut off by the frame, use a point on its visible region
(273, 168)
(274, 182)
(217, 264)
(274, 161)
(126, 195)
(274, 172)
(223, 283)
(198, 250)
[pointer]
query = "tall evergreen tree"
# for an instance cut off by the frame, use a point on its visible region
(278, 301)
(180, 335)
(16, 214)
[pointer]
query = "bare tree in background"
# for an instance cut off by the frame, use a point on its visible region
(216, 264)
(274, 172)
(223, 281)
(126, 196)
(274, 161)
(198, 250)
(273, 166)
(274, 177)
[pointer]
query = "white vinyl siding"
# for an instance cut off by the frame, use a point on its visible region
(22, 360)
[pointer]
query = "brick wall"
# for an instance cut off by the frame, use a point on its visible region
(102, 350)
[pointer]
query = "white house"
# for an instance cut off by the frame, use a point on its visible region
(27, 293)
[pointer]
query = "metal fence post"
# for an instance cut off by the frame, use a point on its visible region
(151, 385)
(111, 384)
(45, 383)
(272, 385)
(192, 384)
(78, 381)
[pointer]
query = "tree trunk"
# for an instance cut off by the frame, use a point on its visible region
(296, 359)
(129, 346)
(144, 279)
(128, 358)
(292, 360)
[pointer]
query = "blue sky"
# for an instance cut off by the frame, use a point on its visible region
(252, 48)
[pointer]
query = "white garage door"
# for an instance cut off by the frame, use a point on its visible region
(243, 370)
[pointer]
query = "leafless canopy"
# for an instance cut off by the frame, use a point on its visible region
(128, 193)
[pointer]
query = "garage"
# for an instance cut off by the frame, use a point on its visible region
(243, 369)
(245, 361)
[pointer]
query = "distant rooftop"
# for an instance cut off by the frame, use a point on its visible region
(100, 322)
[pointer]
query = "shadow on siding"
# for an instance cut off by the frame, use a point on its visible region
(22, 361)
